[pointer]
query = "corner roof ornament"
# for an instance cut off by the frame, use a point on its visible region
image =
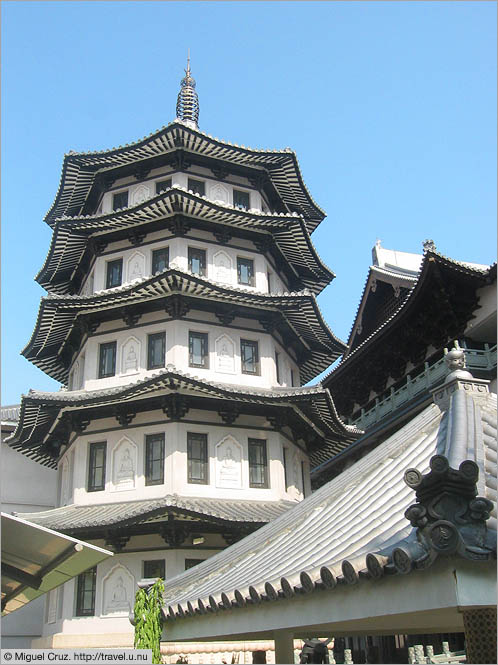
(429, 246)
(455, 362)
(187, 103)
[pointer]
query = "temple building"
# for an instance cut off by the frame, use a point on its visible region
(181, 319)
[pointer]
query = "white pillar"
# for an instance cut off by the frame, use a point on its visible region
(284, 647)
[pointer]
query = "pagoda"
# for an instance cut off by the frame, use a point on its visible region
(181, 319)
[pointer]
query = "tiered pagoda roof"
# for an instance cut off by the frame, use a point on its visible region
(296, 314)
(86, 175)
(75, 239)
(46, 417)
(435, 311)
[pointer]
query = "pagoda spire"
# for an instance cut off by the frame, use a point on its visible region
(187, 104)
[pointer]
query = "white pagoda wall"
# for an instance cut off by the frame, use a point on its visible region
(73, 465)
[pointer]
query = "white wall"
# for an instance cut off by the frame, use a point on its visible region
(74, 463)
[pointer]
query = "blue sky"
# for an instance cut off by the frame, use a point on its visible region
(390, 107)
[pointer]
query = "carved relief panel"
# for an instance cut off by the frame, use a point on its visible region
(118, 589)
(67, 480)
(218, 192)
(222, 267)
(124, 465)
(135, 266)
(130, 356)
(140, 194)
(225, 355)
(228, 463)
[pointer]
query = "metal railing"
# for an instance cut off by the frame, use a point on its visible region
(476, 359)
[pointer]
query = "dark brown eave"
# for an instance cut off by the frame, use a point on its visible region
(63, 320)
(49, 420)
(85, 175)
(77, 239)
(436, 311)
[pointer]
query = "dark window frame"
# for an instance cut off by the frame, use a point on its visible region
(161, 185)
(277, 367)
(258, 444)
(255, 345)
(285, 457)
(239, 204)
(202, 258)
(151, 338)
(109, 282)
(102, 348)
(155, 254)
(202, 459)
(81, 591)
(190, 563)
(93, 448)
(250, 267)
(122, 195)
(154, 562)
(204, 337)
(151, 458)
(197, 186)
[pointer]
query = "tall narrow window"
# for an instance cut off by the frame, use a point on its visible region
(245, 271)
(277, 365)
(163, 185)
(286, 468)
(107, 360)
(120, 200)
(198, 350)
(154, 568)
(268, 279)
(96, 466)
(292, 378)
(160, 260)
(258, 467)
(154, 459)
(197, 261)
(197, 186)
(114, 274)
(197, 458)
(241, 199)
(156, 350)
(303, 475)
(249, 355)
(85, 593)
(190, 563)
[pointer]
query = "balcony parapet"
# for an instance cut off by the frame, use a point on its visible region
(476, 359)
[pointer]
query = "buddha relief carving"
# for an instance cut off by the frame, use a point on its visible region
(124, 465)
(66, 489)
(140, 194)
(130, 356)
(228, 463)
(219, 193)
(222, 267)
(225, 355)
(118, 587)
(136, 266)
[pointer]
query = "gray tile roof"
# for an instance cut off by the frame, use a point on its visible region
(72, 234)
(74, 517)
(281, 166)
(300, 311)
(39, 410)
(347, 530)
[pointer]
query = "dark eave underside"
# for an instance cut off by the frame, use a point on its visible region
(47, 419)
(72, 236)
(436, 311)
(80, 169)
(297, 315)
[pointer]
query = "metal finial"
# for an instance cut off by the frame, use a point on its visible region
(187, 104)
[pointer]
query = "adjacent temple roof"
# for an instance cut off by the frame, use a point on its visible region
(74, 518)
(296, 314)
(366, 525)
(74, 238)
(436, 309)
(45, 416)
(82, 172)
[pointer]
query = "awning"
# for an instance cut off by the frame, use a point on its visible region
(36, 560)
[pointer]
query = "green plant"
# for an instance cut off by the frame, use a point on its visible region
(148, 619)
